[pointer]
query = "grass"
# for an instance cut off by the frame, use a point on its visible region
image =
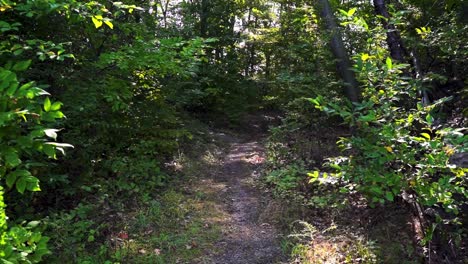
(177, 223)
(174, 230)
(183, 224)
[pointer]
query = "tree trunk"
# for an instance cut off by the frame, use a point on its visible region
(339, 51)
(395, 45)
(204, 18)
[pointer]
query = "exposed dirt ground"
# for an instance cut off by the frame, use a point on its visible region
(245, 239)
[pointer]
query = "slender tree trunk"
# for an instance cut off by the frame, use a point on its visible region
(203, 18)
(339, 51)
(395, 44)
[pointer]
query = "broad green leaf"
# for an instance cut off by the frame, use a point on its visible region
(35, 91)
(32, 184)
(12, 89)
(389, 63)
(351, 12)
(368, 118)
(426, 135)
(343, 12)
(21, 184)
(376, 189)
(22, 65)
(47, 104)
(49, 151)
(11, 158)
(389, 196)
(10, 179)
(410, 118)
(25, 87)
(109, 24)
(97, 21)
(56, 106)
(429, 119)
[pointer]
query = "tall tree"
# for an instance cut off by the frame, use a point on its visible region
(395, 44)
(339, 51)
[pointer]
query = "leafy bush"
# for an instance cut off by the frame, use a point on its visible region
(287, 178)
(398, 149)
(25, 119)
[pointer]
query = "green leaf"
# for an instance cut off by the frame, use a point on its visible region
(429, 119)
(49, 151)
(12, 89)
(11, 158)
(56, 106)
(410, 118)
(426, 135)
(47, 104)
(109, 24)
(35, 91)
(97, 20)
(33, 224)
(25, 87)
(368, 118)
(343, 12)
(351, 12)
(11, 178)
(22, 65)
(21, 184)
(389, 196)
(389, 63)
(364, 56)
(32, 184)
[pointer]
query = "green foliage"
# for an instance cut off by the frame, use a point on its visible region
(75, 233)
(286, 179)
(398, 149)
(128, 75)
(26, 115)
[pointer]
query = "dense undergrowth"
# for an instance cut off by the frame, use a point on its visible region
(155, 222)
(99, 103)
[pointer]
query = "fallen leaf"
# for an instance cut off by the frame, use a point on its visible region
(123, 235)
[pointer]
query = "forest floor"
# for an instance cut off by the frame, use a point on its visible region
(220, 212)
(246, 236)
(245, 239)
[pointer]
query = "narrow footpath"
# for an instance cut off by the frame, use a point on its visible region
(246, 238)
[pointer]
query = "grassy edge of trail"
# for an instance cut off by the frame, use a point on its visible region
(177, 223)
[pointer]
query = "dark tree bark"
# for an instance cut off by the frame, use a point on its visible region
(204, 18)
(339, 51)
(394, 42)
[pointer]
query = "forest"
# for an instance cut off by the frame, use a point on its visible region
(233, 131)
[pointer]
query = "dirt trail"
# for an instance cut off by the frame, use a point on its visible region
(245, 238)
